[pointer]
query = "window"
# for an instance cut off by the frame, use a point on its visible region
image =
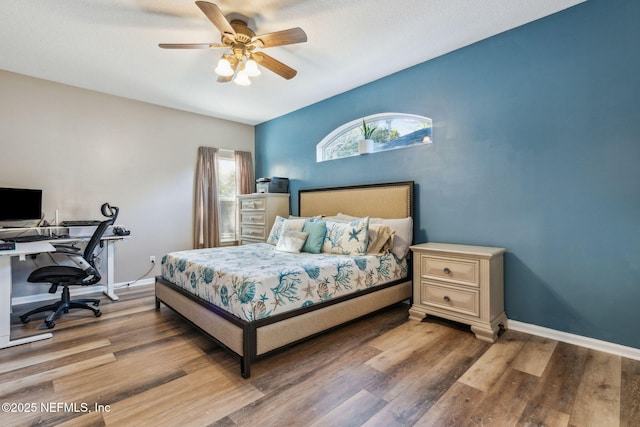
(392, 131)
(227, 195)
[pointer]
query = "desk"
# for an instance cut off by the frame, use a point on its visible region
(21, 250)
(108, 239)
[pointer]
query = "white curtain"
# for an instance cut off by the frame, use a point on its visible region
(206, 233)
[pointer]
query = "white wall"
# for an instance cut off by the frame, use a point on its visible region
(84, 148)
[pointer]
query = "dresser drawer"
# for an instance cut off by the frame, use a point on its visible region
(451, 298)
(451, 269)
(257, 218)
(246, 241)
(253, 204)
(252, 232)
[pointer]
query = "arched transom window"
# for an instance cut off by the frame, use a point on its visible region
(388, 131)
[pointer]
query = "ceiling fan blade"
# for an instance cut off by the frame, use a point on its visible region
(274, 65)
(191, 45)
(216, 16)
(281, 38)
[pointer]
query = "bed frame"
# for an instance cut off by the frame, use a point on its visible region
(257, 339)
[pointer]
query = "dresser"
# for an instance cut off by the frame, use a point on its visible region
(257, 212)
(461, 283)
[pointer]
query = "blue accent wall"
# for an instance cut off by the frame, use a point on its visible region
(536, 149)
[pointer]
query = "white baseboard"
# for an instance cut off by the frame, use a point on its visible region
(79, 290)
(607, 347)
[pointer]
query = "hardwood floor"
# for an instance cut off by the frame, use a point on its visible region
(137, 366)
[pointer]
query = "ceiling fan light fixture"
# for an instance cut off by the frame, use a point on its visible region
(241, 40)
(224, 68)
(251, 68)
(242, 78)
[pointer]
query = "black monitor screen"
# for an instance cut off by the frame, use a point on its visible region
(17, 204)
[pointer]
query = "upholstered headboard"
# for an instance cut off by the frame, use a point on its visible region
(391, 200)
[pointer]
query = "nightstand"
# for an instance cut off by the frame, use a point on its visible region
(461, 283)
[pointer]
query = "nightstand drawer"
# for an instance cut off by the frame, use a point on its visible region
(252, 232)
(253, 204)
(257, 218)
(466, 301)
(451, 269)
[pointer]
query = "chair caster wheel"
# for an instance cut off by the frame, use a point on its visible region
(50, 323)
(24, 319)
(95, 304)
(98, 313)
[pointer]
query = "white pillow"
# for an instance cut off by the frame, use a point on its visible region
(295, 224)
(291, 241)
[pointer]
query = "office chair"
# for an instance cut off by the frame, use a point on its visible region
(85, 274)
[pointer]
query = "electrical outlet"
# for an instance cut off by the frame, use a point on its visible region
(152, 259)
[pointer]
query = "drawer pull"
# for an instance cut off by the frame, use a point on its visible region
(447, 299)
(446, 270)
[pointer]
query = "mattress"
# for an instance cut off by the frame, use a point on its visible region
(257, 281)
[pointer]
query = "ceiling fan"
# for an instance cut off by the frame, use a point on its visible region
(241, 41)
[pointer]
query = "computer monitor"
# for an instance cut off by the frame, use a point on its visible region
(20, 204)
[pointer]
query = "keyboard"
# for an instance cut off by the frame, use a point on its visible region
(29, 238)
(80, 223)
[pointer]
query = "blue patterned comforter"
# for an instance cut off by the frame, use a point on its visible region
(256, 281)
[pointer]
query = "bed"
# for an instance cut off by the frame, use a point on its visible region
(250, 307)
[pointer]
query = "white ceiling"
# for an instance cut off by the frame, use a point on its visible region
(111, 46)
